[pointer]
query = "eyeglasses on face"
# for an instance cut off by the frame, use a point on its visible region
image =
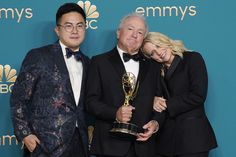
(70, 27)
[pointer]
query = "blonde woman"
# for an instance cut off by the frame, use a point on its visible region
(186, 131)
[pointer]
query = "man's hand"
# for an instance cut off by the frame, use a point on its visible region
(124, 113)
(150, 128)
(30, 142)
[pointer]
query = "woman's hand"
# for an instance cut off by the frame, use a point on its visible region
(159, 104)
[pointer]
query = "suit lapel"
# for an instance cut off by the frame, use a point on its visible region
(85, 63)
(117, 62)
(168, 75)
(143, 68)
(173, 67)
(166, 92)
(60, 62)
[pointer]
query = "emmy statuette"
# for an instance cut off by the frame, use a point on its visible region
(130, 88)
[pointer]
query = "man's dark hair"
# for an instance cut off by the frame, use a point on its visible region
(67, 8)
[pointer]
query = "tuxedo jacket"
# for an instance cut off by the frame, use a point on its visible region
(105, 95)
(186, 128)
(42, 101)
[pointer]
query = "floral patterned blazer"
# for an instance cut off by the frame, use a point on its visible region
(42, 101)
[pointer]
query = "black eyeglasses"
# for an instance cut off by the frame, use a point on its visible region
(70, 27)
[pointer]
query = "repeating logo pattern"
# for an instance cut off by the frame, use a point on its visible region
(7, 73)
(91, 13)
(7, 78)
(90, 10)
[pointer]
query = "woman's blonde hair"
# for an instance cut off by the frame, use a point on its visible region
(159, 39)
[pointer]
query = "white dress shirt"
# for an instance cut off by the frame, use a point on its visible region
(75, 69)
(130, 66)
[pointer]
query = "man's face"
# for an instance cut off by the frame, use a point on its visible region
(71, 30)
(131, 34)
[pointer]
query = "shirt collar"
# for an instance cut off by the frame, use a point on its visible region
(121, 52)
(63, 48)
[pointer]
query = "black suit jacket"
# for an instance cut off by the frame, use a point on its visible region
(42, 101)
(105, 95)
(186, 128)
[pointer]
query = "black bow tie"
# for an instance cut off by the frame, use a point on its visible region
(127, 57)
(77, 54)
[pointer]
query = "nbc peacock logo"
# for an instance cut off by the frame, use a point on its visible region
(91, 14)
(7, 78)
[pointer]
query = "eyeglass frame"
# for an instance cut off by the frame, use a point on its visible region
(79, 27)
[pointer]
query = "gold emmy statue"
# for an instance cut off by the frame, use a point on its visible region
(130, 88)
(90, 135)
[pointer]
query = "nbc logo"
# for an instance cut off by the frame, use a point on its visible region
(91, 13)
(7, 78)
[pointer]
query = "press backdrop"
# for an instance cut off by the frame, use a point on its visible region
(206, 26)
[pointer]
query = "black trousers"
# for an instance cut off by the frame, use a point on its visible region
(75, 148)
(201, 154)
(131, 153)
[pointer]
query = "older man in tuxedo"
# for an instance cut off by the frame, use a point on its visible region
(47, 102)
(105, 96)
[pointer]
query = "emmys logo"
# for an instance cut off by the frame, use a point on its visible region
(9, 140)
(168, 11)
(15, 13)
(91, 13)
(7, 78)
